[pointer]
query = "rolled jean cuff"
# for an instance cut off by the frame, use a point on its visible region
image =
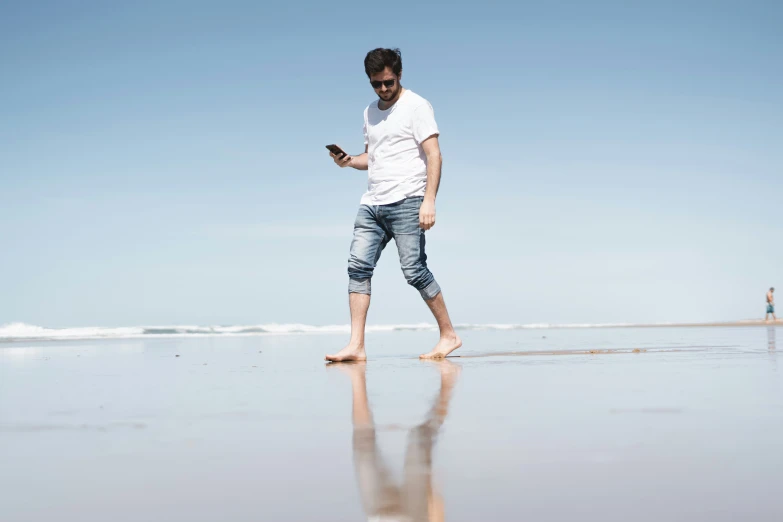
(359, 286)
(430, 291)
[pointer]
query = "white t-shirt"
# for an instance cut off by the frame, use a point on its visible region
(397, 165)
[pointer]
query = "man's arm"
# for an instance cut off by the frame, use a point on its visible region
(358, 162)
(434, 161)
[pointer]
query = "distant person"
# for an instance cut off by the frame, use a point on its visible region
(402, 157)
(770, 305)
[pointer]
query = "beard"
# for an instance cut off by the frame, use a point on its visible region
(390, 94)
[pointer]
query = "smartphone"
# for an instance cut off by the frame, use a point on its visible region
(337, 151)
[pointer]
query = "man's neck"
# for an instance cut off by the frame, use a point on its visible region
(382, 105)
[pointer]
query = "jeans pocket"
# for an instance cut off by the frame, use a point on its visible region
(407, 220)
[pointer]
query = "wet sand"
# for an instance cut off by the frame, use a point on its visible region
(669, 423)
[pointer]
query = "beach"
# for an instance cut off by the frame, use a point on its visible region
(610, 423)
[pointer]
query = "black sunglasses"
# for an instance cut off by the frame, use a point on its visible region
(388, 83)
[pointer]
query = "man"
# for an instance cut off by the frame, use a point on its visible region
(402, 157)
(770, 305)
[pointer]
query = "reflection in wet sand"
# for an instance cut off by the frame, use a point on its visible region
(416, 499)
(771, 347)
(593, 351)
(771, 332)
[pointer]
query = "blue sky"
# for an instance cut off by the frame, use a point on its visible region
(164, 162)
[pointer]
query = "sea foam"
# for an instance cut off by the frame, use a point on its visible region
(26, 332)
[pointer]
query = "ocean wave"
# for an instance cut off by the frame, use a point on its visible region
(26, 332)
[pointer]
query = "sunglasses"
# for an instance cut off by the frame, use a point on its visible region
(388, 83)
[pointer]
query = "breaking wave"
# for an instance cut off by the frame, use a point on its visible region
(26, 332)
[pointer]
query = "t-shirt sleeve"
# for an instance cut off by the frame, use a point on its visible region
(424, 124)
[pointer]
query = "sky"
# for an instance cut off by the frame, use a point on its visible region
(604, 162)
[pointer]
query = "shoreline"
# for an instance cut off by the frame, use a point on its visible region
(29, 333)
(744, 322)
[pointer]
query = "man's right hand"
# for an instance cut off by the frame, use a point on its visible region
(341, 160)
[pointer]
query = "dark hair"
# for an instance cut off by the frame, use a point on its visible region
(379, 59)
(773, 288)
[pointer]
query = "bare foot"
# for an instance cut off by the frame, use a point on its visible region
(352, 352)
(445, 346)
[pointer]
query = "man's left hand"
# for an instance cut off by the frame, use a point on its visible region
(427, 215)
